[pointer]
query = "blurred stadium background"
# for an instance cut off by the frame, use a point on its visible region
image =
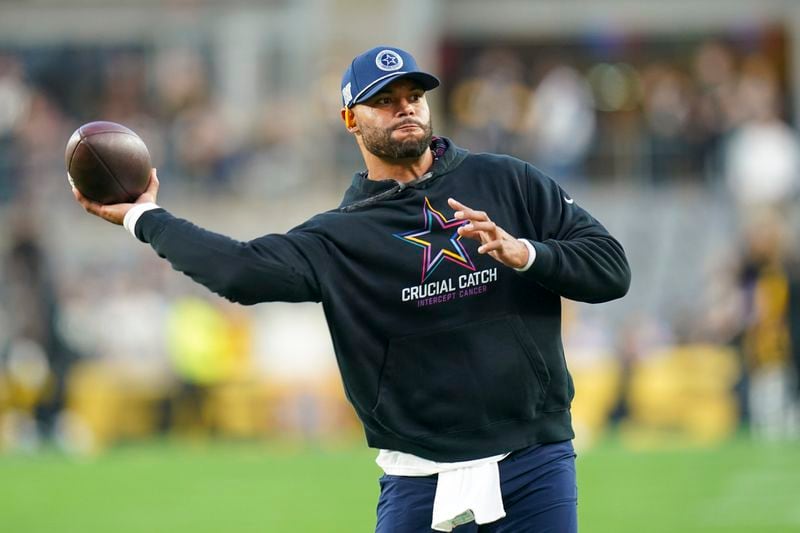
(132, 400)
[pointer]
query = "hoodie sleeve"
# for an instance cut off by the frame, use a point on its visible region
(576, 257)
(269, 268)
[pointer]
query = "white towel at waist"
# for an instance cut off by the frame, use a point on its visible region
(466, 490)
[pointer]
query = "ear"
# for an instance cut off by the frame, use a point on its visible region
(349, 119)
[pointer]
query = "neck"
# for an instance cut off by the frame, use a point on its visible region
(400, 170)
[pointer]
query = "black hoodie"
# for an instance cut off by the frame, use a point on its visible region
(444, 353)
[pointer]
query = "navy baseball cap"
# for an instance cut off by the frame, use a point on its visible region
(374, 69)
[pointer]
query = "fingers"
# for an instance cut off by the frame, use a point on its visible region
(507, 250)
(475, 228)
(466, 213)
(494, 240)
(150, 194)
(491, 246)
(479, 227)
(455, 204)
(114, 214)
(92, 207)
(152, 186)
(88, 205)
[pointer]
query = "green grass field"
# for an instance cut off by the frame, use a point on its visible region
(173, 487)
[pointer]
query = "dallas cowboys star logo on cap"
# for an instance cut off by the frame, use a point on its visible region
(389, 60)
(379, 66)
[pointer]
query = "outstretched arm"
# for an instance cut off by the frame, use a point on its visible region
(270, 268)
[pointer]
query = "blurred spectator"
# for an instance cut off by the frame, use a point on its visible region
(794, 331)
(714, 73)
(488, 104)
(135, 343)
(14, 101)
(40, 140)
(181, 81)
(207, 346)
(666, 107)
(202, 146)
(125, 99)
(271, 165)
(640, 337)
(765, 339)
(762, 155)
(36, 356)
(561, 121)
(124, 88)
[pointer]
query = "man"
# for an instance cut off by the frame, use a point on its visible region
(446, 326)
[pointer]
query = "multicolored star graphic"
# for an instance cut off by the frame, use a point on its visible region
(431, 257)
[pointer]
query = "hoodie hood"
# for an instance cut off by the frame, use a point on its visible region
(364, 191)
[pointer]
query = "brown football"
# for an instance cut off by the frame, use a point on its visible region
(108, 162)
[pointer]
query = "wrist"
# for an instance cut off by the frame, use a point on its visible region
(531, 255)
(133, 214)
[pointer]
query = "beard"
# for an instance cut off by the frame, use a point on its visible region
(379, 142)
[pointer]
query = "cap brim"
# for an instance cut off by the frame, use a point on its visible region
(426, 81)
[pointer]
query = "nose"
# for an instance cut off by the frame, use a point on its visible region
(405, 107)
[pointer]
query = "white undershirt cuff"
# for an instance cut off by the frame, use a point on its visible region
(531, 255)
(133, 214)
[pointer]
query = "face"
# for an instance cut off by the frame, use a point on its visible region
(396, 122)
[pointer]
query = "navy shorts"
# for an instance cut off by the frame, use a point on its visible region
(537, 483)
